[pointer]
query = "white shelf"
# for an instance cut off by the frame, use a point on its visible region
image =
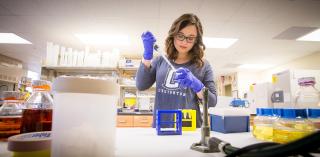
(79, 68)
(10, 74)
(69, 70)
(145, 96)
(134, 86)
(128, 86)
(128, 68)
(130, 96)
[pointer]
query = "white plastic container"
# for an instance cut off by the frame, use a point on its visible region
(84, 117)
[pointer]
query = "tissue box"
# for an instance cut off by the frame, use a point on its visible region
(231, 120)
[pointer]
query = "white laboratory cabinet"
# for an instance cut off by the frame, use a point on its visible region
(285, 86)
(259, 96)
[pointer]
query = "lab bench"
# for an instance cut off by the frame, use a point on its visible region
(144, 142)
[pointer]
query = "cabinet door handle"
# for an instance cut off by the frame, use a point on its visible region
(122, 121)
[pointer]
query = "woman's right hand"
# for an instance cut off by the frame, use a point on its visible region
(148, 41)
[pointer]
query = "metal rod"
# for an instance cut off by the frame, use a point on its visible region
(156, 47)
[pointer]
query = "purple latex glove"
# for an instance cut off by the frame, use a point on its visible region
(148, 41)
(186, 79)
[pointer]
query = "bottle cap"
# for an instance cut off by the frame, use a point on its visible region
(28, 142)
(41, 85)
(13, 95)
(294, 113)
(267, 112)
(306, 81)
(314, 113)
(277, 112)
(259, 111)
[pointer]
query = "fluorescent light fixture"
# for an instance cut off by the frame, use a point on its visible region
(255, 66)
(313, 36)
(218, 42)
(10, 38)
(101, 39)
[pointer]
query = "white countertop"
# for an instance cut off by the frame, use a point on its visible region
(144, 142)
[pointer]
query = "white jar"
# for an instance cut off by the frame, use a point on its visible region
(84, 117)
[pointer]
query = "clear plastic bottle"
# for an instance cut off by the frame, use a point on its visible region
(314, 117)
(38, 113)
(307, 96)
(10, 113)
(263, 124)
(292, 125)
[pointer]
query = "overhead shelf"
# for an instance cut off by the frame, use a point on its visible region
(10, 74)
(128, 68)
(65, 68)
(133, 86)
(128, 86)
(87, 70)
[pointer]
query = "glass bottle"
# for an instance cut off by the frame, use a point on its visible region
(314, 117)
(256, 120)
(292, 125)
(38, 113)
(307, 96)
(10, 113)
(263, 124)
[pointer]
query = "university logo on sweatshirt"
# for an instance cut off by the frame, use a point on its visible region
(170, 86)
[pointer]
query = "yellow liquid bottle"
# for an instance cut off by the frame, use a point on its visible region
(314, 117)
(263, 124)
(292, 125)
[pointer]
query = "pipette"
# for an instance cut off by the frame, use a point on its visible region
(156, 47)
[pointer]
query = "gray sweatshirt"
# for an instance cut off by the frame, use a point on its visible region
(169, 96)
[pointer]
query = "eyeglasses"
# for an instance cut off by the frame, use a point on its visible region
(181, 37)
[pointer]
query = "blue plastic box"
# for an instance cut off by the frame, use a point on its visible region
(229, 124)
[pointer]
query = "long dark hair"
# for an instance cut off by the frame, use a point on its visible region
(198, 48)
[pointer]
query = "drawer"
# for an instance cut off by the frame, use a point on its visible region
(142, 121)
(124, 121)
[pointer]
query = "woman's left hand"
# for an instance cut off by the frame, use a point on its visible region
(185, 78)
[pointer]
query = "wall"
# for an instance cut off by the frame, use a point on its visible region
(311, 61)
(245, 79)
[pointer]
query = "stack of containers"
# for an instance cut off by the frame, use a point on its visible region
(292, 125)
(285, 125)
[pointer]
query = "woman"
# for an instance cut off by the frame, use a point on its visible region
(185, 49)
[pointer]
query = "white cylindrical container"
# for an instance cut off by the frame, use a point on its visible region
(84, 117)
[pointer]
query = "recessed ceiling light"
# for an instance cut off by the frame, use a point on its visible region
(101, 39)
(313, 36)
(11, 38)
(211, 42)
(255, 66)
